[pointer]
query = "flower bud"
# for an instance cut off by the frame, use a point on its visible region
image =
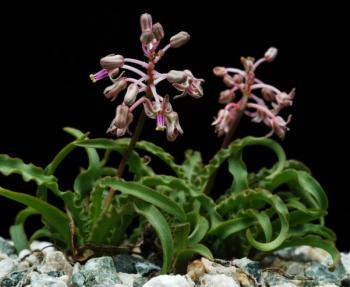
(220, 71)
(174, 76)
(270, 54)
(146, 37)
(131, 94)
(228, 81)
(146, 22)
(179, 39)
(158, 31)
(238, 79)
(226, 96)
(111, 62)
(113, 74)
(248, 63)
(121, 117)
(111, 92)
(268, 94)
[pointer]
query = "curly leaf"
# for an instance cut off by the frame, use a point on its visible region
(303, 183)
(159, 223)
(236, 148)
(29, 172)
(53, 217)
(200, 228)
(232, 226)
(145, 193)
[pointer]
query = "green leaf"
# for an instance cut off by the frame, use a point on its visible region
(238, 169)
(304, 184)
(145, 193)
(200, 228)
(19, 237)
(232, 226)
(53, 217)
(235, 150)
(29, 172)
(135, 162)
(159, 223)
(22, 216)
(192, 166)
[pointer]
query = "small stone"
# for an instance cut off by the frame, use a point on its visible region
(6, 247)
(101, 271)
(127, 280)
(145, 268)
(195, 270)
(40, 280)
(77, 280)
(345, 282)
(243, 279)
(251, 267)
(345, 260)
(322, 275)
(139, 282)
(43, 246)
(218, 280)
(7, 264)
(13, 279)
(126, 263)
(167, 281)
(23, 254)
(55, 273)
(55, 261)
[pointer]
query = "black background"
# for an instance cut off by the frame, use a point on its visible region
(49, 52)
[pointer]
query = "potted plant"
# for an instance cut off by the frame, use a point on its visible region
(172, 219)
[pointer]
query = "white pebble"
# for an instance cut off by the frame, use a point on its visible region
(217, 280)
(168, 280)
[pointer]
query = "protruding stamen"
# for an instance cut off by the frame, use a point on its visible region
(99, 75)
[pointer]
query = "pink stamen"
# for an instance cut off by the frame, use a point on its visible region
(160, 122)
(99, 75)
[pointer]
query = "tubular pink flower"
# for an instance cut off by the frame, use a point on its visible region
(266, 104)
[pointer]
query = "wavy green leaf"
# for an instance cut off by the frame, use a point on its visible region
(145, 193)
(29, 172)
(160, 225)
(53, 217)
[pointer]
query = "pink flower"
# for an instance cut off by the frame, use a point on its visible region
(121, 121)
(192, 86)
(263, 106)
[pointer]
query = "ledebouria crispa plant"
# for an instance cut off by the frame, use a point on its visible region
(256, 99)
(141, 87)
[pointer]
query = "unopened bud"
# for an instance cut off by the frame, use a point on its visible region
(268, 94)
(111, 62)
(113, 75)
(146, 22)
(146, 37)
(174, 76)
(270, 54)
(158, 31)
(179, 39)
(248, 63)
(220, 71)
(228, 81)
(121, 117)
(226, 96)
(111, 92)
(238, 79)
(131, 94)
